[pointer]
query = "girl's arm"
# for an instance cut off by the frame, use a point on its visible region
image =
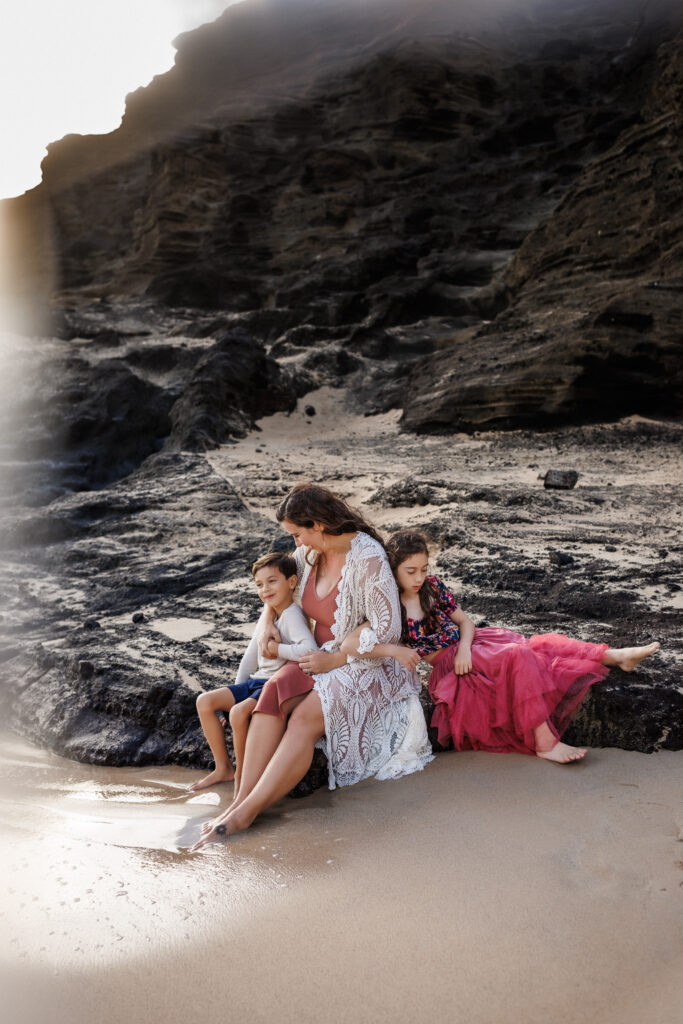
(462, 663)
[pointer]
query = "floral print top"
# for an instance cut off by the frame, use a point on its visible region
(429, 637)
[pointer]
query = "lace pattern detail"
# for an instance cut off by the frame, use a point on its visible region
(374, 725)
(367, 640)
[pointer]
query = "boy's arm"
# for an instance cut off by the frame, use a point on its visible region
(249, 663)
(298, 639)
(250, 659)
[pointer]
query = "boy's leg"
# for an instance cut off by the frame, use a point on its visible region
(240, 715)
(207, 706)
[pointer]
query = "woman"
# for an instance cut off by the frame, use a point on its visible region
(362, 709)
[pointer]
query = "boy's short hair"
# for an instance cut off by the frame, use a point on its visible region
(285, 563)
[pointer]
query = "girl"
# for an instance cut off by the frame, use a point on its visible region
(493, 689)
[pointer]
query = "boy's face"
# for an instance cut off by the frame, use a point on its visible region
(273, 586)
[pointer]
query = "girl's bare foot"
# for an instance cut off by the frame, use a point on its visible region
(562, 753)
(213, 778)
(628, 657)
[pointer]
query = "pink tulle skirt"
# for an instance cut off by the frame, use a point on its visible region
(515, 685)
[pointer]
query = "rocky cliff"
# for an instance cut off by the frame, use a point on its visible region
(396, 179)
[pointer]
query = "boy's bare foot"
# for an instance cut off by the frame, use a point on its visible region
(213, 778)
(562, 753)
(628, 657)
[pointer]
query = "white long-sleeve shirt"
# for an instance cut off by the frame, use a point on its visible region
(297, 639)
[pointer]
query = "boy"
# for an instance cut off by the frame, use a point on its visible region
(275, 578)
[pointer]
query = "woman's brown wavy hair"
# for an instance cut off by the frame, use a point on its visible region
(402, 545)
(307, 504)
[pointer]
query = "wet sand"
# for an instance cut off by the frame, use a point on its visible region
(488, 889)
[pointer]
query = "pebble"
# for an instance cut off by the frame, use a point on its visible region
(85, 669)
(138, 617)
(309, 410)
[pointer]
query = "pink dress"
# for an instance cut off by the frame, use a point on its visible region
(290, 680)
(515, 684)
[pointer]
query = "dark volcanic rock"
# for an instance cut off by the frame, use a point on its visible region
(167, 539)
(231, 386)
(560, 479)
(89, 417)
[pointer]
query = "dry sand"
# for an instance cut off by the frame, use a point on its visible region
(488, 889)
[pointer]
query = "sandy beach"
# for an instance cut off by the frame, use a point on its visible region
(487, 888)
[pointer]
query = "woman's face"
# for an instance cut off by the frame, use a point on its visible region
(412, 573)
(309, 536)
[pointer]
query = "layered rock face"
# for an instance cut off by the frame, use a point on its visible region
(398, 180)
(593, 325)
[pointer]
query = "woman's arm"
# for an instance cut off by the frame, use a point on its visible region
(322, 661)
(379, 635)
(462, 663)
(405, 656)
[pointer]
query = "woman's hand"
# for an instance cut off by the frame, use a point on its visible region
(269, 634)
(405, 656)
(321, 661)
(462, 663)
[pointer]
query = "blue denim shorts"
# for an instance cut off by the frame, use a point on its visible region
(250, 688)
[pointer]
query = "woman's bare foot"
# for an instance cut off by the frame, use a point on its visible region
(222, 827)
(213, 778)
(562, 753)
(628, 657)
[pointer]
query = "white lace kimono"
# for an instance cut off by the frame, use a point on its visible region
(374, 724)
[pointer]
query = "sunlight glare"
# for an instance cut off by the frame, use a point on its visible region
(67, 68)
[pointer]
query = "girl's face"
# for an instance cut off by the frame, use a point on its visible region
(309, 536)
(412, 573)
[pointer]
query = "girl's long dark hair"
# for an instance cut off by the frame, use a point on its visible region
(307, 504)
(402, 545)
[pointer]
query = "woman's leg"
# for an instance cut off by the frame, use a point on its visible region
(240, 715)
(288, 765)
(263, 738)
(207, 706)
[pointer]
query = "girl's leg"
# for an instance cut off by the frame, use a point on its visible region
(547, 744)
(207, 706)
(551, 749)
(263, 738)
(240, 714)
(288, 765)
(626, 658)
